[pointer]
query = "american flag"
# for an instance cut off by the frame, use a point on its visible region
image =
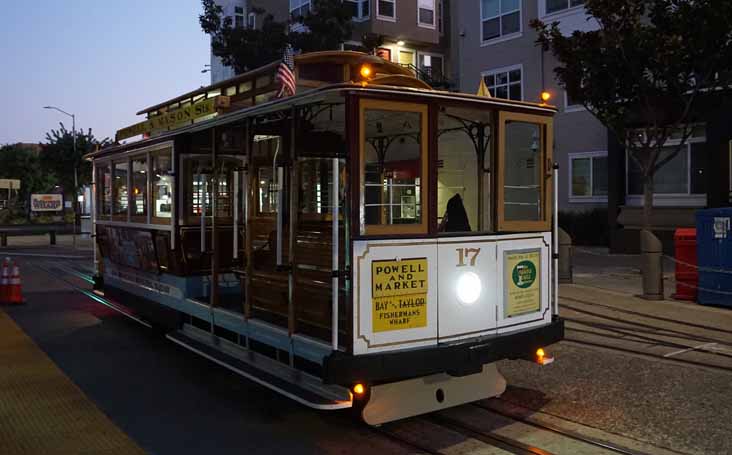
(285, 76)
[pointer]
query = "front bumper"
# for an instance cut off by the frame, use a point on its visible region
(455, 359)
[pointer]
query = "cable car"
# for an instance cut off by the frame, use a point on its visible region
(367, 243)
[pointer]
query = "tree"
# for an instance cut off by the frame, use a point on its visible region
(57, 156)
(325, 27)
(23, 163)
(643, 72)
(243, 48)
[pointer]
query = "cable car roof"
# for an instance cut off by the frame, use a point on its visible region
(322, 94)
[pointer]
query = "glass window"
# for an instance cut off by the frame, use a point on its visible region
(500, 18)
(252, 20)
(522, 172)
(394, 162)
(505, 83)
(386, 8)
(683, 174)
(426, 12)
(139, 186)
(359, 8)
(201, 186)
(299, 7)
(588, 175)
(162, 187)
(239, 17)
(104, 190)
(266, 191)
(120, 193)
(464, 138)
(552, 6)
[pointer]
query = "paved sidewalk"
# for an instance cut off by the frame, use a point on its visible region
(84, 243)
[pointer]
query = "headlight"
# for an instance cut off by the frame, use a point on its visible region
(468, 288)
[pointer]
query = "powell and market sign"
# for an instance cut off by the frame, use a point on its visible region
(176, 118)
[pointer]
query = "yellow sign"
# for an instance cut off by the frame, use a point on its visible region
(174, 119)
(522, 282)
(399, 294)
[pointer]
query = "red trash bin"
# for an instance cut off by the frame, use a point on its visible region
(687, 273)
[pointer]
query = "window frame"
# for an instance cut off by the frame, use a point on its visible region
(300, 3)
(582, 155)
(383, 17)
(252, 20)
(136, 218)
(421, 24)
(687, 199)
(502, 37)
(422, 228)
(572, 107)
(546, 186)
(239, 15)
(360, 17)
(505, 69)
(543, 13)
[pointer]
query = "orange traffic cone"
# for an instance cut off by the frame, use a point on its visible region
(15, 290)
(5, 281)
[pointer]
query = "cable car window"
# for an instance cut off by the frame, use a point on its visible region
(162, 187)
(524, 172)
(104, 189)
(139, 186)
(266, 191)
(200, 188)
(464, 139)
(265, 150)
(120, 193)
(394, 167)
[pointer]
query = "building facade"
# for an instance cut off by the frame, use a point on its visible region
(493, 40)
(415, 32)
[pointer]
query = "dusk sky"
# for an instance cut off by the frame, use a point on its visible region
(100, 60)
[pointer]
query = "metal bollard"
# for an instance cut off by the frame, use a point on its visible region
(651, 266)
(565, 257)
(3, 239)
(52, 234)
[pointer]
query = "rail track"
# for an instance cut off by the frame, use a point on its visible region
(454, 429)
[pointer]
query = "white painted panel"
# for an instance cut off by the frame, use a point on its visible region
(365, 252)
(458, 259)
(521, 322)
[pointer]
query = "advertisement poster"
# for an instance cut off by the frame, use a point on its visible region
(47, 202)
(522, 282)
(399, 294)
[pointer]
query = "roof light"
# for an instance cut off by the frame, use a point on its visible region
(542, 358)
(365, 71)
(400, 43)
(546, 96)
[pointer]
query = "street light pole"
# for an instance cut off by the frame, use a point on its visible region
(76, 178)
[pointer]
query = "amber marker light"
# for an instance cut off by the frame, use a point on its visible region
(545, 96)
(542, 358)
(365, 71)
(359, 389)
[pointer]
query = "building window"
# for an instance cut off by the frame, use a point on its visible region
(359, 8)
(299, 8)
(252, 20)
(505, 83)
(499, 18)
(552, 6)
(432, 64)
(683, 175)
(426, 13)
(239, 17)
(588, 176)
(386, 9)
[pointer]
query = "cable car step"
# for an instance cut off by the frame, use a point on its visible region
(274, 375)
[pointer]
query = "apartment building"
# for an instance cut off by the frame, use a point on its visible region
(492, 39)
(415, 32)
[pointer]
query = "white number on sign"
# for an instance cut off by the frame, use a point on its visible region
(467, 254)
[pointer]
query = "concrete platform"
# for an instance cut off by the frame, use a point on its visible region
(42, 410)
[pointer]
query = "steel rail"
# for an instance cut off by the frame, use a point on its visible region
(561, 431)
(649, 316)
